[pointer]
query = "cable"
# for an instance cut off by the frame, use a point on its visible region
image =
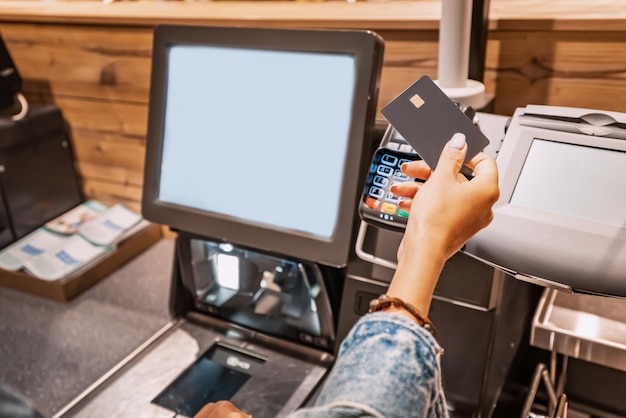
(23, 107)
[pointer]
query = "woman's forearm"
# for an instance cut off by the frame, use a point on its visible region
(416, 277)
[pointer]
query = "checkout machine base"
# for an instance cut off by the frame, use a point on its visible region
(187, 365)
(481, 315)
(205, 355)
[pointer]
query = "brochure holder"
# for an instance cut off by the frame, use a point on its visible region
(66, 289)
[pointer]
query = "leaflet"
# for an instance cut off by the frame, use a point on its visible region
(73, 255)
(38, 242)
(109, 227)
(83, 235)
(69, 222)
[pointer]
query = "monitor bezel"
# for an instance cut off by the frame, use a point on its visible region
(367, 49)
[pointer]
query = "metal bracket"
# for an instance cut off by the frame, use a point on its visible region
(365, 256)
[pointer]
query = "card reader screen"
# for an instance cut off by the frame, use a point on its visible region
(258, 135)
(574, 180)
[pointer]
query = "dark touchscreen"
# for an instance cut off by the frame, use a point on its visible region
(216, 375)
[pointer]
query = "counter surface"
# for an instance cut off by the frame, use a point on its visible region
(52, 351)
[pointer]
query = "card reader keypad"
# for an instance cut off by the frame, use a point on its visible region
(379, 201)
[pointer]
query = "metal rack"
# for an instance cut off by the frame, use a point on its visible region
(585, 327)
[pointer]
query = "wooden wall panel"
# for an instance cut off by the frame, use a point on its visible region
(83, 61)
(99, 76)
(579, 69)
(112, 192)
(109, 148)
(102, 172)
(408, 56)
(126, 120)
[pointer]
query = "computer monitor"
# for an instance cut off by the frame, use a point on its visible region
(256, 136)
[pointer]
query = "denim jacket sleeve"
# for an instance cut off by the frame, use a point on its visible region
(14, 405)
(388, 366)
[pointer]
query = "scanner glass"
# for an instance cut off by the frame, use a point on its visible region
(255, 289)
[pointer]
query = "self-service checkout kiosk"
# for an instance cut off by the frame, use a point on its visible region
(256, 152)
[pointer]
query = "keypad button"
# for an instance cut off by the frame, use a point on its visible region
(406, 148)
(402, 161)
(384, 170)
(399, 175)
(393, 146)
(391, 197)
(372, 203)
(402, 213)
(389, 160)
(376, 192)
(381, 181)
(389, 208)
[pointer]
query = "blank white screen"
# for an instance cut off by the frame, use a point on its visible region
(574, 180)
(258, 135)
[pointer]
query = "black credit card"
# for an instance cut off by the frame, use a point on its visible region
(427, 118)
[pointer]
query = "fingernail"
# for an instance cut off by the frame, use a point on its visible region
(457, 141)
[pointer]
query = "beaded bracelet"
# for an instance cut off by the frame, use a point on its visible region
(386, 301)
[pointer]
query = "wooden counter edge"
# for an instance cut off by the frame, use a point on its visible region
(557, 15)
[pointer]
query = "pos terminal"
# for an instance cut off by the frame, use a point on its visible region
(561, 218)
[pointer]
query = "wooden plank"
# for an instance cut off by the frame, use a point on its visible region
(108, 149)
(408, 56)
(558, 15)
(82, 61)
(109, 173)
(108, 200)
(73, 64)
(101, 189)
(565, 69)
(518, 65)
(335, 14)
(592, 94)
(121, 118)
(168, 233)
(541, 54)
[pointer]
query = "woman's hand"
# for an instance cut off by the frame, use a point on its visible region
(447, 210)
(444, 213)
(221, 409)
